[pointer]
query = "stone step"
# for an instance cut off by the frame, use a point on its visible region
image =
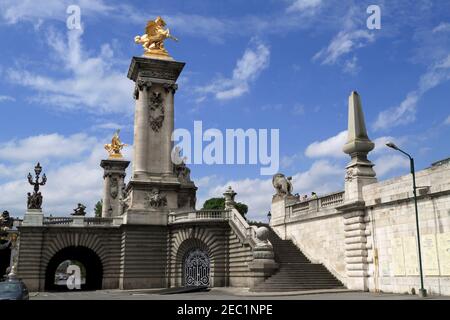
(311, 282)
(296, 272)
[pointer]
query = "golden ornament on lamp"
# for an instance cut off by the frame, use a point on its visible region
(153, 39)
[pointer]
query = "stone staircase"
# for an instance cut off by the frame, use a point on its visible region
(295, 271)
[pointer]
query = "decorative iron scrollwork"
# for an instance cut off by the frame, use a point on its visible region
(196, 269)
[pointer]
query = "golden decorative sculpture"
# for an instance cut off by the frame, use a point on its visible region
(153, 39)
(115, 146)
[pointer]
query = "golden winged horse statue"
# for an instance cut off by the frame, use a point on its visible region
(153, 39)
(115, 146)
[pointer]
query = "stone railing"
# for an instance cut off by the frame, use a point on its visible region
(316, 204)
(196, 215)
(57, 220)
(95, 221)
(246, 232)
(77, 221)
(333, 199)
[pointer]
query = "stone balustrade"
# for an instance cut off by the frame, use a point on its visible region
(316, 204)
(239, 224)
(195, 215)
(77, 221)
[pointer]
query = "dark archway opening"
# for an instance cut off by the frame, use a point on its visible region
(90, 266)
(5, 257)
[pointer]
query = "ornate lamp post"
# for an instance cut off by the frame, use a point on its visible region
(35, 199)
(422, 291)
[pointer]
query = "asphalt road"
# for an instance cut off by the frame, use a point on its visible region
(221, 294)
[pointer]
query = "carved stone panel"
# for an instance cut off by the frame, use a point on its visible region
(156, 105)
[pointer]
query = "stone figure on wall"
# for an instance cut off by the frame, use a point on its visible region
(179, 166)
(183, 172)
(34, 200)
(79, 210)
(6, 220)
(114, 188)
(155, 199)
(282, 184)
(125, 201)
(349, 174)
(6, 223)
(156, 105)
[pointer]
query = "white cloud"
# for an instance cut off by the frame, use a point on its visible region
(343, 43)
(447, 121)
(331, 147)
(50, 146)
(322, 177)
(388, 163)
(6, 98)
(254, 60)
(107, 126)
(405, 112)
(304, 5)
(442, 27)
(14, 11)
(71, 179)
(351, 66)
(92, 83)
(298, 110)
(289, 161)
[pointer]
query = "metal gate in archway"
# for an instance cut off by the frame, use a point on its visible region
(196, 268)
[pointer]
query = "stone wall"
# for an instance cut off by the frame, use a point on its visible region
(388, 239)
(390, 210)
(143, 257)
(239, 256)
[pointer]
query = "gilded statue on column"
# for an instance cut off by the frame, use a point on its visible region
(115, 146)
(153, 39)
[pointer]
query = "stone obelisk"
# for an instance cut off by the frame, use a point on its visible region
(358, 251)
(157, 185)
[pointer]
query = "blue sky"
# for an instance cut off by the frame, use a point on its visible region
(286, 64)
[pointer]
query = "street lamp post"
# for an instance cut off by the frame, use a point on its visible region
(422, 291)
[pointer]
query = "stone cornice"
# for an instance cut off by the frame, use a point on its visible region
(154, 68)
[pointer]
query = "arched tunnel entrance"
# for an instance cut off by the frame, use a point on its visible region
(74, 268)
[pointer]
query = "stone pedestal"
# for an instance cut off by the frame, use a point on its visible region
(77, 221)
(263, 264)
(113, 186)
(33, 217)
(156, 187)
(279, 213)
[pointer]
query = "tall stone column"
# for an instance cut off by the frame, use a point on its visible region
(359, 173)
(113, 186)
(157, 186)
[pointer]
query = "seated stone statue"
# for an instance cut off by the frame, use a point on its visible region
(282, 184)
(79, 211)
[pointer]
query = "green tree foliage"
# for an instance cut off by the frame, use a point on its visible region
(98, 208)
(219, 204)
(214, 204)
